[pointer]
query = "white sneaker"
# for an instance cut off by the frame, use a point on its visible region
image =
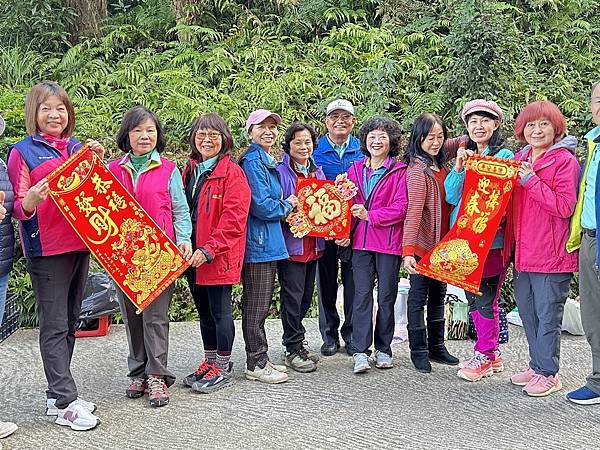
(266, 375)
(77, 417)
(6, 429)
(277, 367)
(52, 410)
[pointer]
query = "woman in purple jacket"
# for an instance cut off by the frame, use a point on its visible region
(380, 208)
(297, 272)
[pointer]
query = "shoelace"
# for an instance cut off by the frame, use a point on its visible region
(538, 378)
(156, 386)
(303, 353)
(138, 382)
(212, 373)
(203, 368)
(476, 361)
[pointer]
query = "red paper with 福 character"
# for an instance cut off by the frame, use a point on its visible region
(323, 208)
(460, 256)
(135, 252)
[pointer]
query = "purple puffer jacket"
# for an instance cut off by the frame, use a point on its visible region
(288, 178)
(387, 209)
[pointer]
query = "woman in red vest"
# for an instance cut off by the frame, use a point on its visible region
(218, 196)
(155, 182)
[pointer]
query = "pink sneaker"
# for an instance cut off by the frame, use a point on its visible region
(498, 363)
(522, 378)
(541, 386)
(478, 367)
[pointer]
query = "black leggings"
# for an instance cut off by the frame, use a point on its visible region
(216, 321)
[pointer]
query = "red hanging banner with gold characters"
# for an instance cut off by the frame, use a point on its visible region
(323, 208)
(135, 252)
(460, 256)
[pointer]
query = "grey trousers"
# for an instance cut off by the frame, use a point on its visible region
(58, 283)
(541, 300)
(148, 336)
(589, 293)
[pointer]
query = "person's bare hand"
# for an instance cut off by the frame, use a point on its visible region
(410, 264)
(186, 249)
(525, 169)
(198, 258)
(96, 147)
(292, 200)
(36, 195)
(359, 211)
(343, 242)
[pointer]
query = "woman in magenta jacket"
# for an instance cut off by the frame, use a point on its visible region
(378, 214)
(543, 202)
(218, 195)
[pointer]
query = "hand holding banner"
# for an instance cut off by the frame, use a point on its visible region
(135, 252)
(460, 256)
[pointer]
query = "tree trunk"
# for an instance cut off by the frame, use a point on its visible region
(89, 17)
(185, 12)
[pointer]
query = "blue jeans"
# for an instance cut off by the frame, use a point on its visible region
(3, 288)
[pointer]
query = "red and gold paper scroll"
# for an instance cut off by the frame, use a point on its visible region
(323, 208)
(460, 256)
(135, 252)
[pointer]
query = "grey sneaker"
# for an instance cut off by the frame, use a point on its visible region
(300, 361)
(6, 429)
(361, 362)
(311, 355)
(214, 380)
(383, 360)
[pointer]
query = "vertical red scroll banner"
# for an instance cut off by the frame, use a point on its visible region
(460, 256)
(135, 252)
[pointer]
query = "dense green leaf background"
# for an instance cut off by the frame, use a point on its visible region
(393, 57)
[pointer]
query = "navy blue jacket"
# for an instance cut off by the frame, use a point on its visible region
(329, 160)
(264, 237)
(7, 235)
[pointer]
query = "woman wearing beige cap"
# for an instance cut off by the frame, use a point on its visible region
(482, 119)
(265, 244)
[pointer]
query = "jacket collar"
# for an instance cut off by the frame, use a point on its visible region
(154, 159)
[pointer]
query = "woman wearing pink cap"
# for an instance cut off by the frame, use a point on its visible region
(482, 119)
(265, 244)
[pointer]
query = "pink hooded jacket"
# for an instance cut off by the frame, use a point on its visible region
(542, 205)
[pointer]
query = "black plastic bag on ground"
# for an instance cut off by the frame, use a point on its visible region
(99, 299)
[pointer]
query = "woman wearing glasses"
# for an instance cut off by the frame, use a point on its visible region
(219, 199)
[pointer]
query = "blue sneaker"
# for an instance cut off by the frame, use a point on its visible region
(584, 396)
(361, 363)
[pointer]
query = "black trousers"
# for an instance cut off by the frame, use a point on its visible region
(58, 283)
(327, 286)
(213, 304)
(425, 291)
(297, 281)
(368, 266)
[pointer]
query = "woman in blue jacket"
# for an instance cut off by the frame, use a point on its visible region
(265, 244)
(482, 119)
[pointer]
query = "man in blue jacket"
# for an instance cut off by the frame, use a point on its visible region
(585, 227)
(335, 152)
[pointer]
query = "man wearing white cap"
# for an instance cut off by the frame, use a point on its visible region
(335, 153)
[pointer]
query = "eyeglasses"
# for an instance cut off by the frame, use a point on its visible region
(342, 117)
(213, 136)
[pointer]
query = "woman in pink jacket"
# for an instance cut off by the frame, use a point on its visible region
(543, 203)
(380, 208)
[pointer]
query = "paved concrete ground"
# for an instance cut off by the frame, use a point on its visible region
(331, 408)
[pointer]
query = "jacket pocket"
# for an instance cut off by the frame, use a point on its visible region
(391, 236)
(207, 199)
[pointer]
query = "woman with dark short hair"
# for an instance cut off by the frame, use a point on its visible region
(218, 196)
(155, 182)
(297, 273)
(378, 214)
(427, 221)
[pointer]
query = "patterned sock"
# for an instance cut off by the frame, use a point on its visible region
(223, 361)
(211, 355)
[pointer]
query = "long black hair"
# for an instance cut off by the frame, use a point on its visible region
(421, 127)
(496, 141)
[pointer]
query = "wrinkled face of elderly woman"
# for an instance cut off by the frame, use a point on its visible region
(540, 133)
(143, 137)
(208, 142)
(265, 133)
